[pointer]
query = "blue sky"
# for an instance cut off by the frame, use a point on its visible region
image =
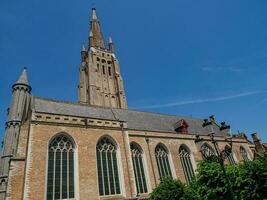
(183, 57)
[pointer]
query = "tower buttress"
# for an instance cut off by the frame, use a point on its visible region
(83, 80)
(100, 82)
(17, 114)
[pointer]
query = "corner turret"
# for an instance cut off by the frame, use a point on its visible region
(17, 114)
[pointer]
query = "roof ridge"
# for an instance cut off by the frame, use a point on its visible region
(114, 109)
(68, 102)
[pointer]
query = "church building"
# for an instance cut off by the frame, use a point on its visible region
(98, 148)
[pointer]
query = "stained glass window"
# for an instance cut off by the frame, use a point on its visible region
(207, 150)
(139, 172)
(107, 167)
(162, 158)
(185, 157)
(230, 156)
(244, 154)
(60, 173)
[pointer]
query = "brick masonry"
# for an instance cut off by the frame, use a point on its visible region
(28, 172)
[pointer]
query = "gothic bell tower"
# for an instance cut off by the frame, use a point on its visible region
(100, 82)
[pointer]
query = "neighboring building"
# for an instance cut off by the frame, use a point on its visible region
(259, 148)
(97, 148)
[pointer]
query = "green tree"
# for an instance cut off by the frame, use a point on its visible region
(169, 189)
(210, 182)
(248, 181)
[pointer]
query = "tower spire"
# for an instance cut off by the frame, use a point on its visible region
(95, 32)
(100, 81)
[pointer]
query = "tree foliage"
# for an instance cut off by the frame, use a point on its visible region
(169, 189)
(248, 181)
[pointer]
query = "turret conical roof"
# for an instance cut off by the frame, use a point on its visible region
(23, 79)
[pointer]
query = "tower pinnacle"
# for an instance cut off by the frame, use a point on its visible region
(110, 40)
(83, 48)
(83, 54)
(111, 45)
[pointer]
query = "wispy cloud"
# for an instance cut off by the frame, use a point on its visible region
(217, 69)
(197, 101)
(211, 69)
(263, 101)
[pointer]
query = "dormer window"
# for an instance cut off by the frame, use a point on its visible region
(181, 127)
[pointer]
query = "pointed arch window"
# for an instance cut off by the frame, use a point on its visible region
(163, 163)
(107, 167)
(139, 172)
(230, 156)
(60, 173)
(185, 157)
(207, 151)
(244, 154)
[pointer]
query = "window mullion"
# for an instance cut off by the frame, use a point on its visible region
(102, 172)
(191, 167)
(168, 165)
(160, 167)
(109, 191)
(184, 166)
(68, 174)
(165, 166)
(141, 176)
(187, 167)
(61, 174)
(54, 174)
(113, 174)
(135, 173)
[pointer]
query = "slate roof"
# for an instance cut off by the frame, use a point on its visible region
(136, 120)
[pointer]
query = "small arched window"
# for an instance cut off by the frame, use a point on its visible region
(139, 172)
(244, 154)
(109, 71)
(60, 173)
(207, 150)
(185, 157)
(163, 163)
(107, 167)
(230, 156)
